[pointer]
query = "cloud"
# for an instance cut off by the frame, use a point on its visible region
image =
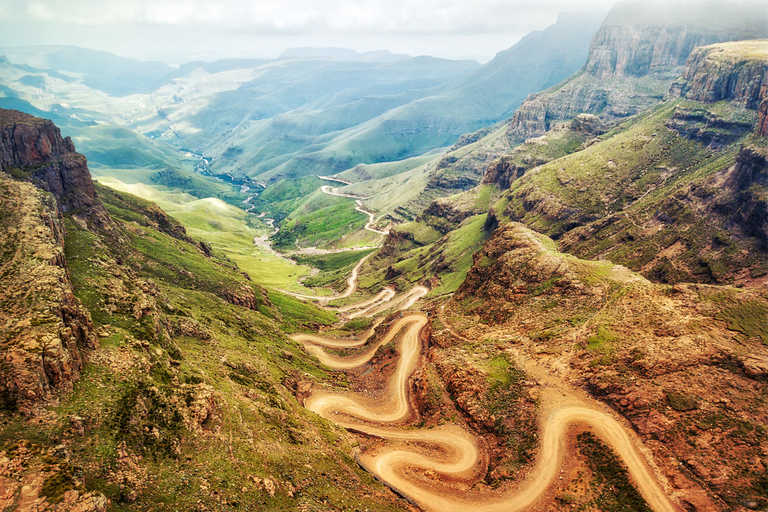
(379, 16)
(183, 29)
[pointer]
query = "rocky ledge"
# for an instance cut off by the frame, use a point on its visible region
(44, 329)
(734, 71)
(33, 149)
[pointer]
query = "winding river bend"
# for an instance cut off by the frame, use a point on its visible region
(449, 450)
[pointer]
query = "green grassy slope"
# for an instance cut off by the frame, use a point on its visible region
(189, 401)
(648, 186)
(226, 228)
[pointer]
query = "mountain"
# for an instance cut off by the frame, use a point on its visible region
(680, 144)
(578, 256)
(102, 71)
(130, 352)
(404, 126)
(692, 182)
(615, 265)
(343, 54)
(288, 119)
(634, 59)
(638, 50)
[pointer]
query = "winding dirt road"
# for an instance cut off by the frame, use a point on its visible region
(450, 450)
(369, 226)
(351, 286)
(331, 191)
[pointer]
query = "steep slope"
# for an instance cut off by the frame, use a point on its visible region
(136, 361)
(47, 334)
(675, 193)
(684, 364)
(35, 150)
(638, 51)
(436, 246)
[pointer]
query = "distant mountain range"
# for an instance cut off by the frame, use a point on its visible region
(311, 111)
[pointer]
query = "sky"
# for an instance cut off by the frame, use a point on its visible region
(178, 31)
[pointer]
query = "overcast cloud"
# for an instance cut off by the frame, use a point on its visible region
(185, 29)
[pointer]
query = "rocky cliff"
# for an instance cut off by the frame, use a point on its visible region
(633, 59)
(44, 330)
(734, 71)
(32, 148)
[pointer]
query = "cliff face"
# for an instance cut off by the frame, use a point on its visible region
(633, 59)
(44, 328)
(32, 148)
(626, 51)
(735, 71)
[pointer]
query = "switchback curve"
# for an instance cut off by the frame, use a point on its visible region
(455, 453)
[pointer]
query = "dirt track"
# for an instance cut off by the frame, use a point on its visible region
(351, 286)
(454, 452)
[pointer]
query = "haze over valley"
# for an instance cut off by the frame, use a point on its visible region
(288, 270)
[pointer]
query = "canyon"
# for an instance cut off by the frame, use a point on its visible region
(563, 310)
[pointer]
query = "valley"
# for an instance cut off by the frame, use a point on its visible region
(453, 452)
(351, 281)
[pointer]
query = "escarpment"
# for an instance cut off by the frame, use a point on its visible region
(45, 332)
(734, 71)
(633, 59)
(33, 149)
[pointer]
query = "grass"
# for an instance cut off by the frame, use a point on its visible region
(504, 395)
(333, 261)
(229, 230)
(615, 492)
(141, 396)
(335, 268)
(320, 228)
(749, 318)
(682, 402)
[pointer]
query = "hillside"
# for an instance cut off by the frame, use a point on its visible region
(638, 51)
(684, 364)
(674, 193)
(282, 121)
(564, 310)
(647, 45)
(132, 354)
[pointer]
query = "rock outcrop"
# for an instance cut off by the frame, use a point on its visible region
(633, 59)
(563, 140)
(44, 330)
(32, 148)
(734, 71)
(762, 118)
(517, 263)
(745, 201)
